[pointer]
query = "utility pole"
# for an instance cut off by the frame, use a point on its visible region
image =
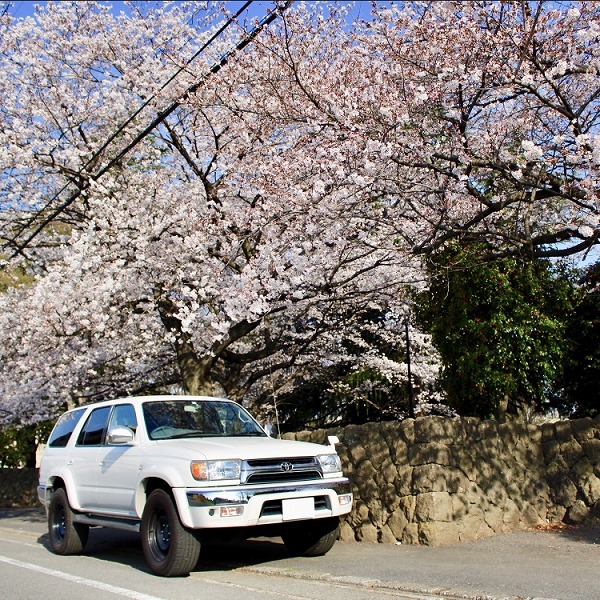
(411, 408)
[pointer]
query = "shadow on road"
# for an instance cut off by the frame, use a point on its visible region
(589, 534)
(124, 547)
(29, 515)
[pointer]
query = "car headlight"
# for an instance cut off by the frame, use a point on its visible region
(213, 470)
(330, 463)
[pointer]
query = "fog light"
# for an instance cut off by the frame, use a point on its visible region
(232, 511)
(345, 499)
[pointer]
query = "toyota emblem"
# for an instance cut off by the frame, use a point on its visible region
(287, 466)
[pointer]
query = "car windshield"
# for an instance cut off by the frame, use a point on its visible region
(169, 419)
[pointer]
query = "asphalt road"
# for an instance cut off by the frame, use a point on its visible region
(549, 565)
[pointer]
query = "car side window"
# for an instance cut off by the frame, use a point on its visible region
(64, 427)
(123, 415)
(92, 433)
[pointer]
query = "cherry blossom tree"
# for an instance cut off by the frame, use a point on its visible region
(204, 260)
(492, 111)
(242, 236)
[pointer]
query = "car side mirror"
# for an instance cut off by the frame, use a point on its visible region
(120, 435)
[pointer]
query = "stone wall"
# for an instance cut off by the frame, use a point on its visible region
(436, 481)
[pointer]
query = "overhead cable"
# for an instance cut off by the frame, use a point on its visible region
(87, 179)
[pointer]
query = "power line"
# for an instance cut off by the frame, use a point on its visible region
(247, 39)
(74, 195)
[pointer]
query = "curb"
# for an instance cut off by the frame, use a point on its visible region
(410, 591)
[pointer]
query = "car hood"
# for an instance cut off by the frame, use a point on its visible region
(246, 447)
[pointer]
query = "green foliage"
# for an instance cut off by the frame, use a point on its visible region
(339, 396)
(339, 393)
(579, 395)
(18, 445)
(499, 327)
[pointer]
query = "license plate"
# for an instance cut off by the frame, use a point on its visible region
(298, 508)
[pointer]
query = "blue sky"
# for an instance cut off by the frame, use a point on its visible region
(25, 8)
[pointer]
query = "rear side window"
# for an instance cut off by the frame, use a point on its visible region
(92, 433)
(64, 427)
(124, 416)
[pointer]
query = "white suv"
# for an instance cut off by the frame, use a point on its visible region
(181, 469)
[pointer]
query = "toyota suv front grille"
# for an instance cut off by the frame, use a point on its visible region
(275, 470)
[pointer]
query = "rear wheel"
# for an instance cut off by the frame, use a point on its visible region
(312, 539)
(169, 548)
(66, 537)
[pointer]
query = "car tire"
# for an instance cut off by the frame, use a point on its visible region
(66, 537)
(169, 548)
(312, 539)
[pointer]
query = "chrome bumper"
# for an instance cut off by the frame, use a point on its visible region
(243, 494)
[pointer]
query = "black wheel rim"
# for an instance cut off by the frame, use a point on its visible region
(159, 535)
(59, 523)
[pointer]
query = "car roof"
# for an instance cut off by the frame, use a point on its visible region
(155, 398)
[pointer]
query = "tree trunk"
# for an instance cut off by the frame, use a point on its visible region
(195, 372)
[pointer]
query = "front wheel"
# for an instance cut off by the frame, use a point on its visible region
(66, 537)
(312, 539)
(169, 548)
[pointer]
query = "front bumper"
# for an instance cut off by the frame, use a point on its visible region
(43, 496)
(244, 506)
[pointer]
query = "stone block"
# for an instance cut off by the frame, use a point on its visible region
(407, 504)
(591, 448)
(556, 514)
(456, 482)
(571, 452)
(407, 430)
(364, 478)
(563, 430)
(589, 485)
(482, 472)
(410, 535)
(434, 506)
(460, 506)
(347, 532)
(430, 453)
(594, 514)
(494, 518)
(387, 471)
(486, 430)
(577, 514)
(583, 429)
(386, 536)
(362, 511)
(399, 451)
(357, 453)
(367, 533)
(429, 478)
(551, 449)
(389, 497)
(547, 432)
(475, 495)
(18, 488)
(438, 534)
(474, 526)
(397, 523)
(511, 517)
(496, 494)
(530, 515)
(403, 481)
(435, 429)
